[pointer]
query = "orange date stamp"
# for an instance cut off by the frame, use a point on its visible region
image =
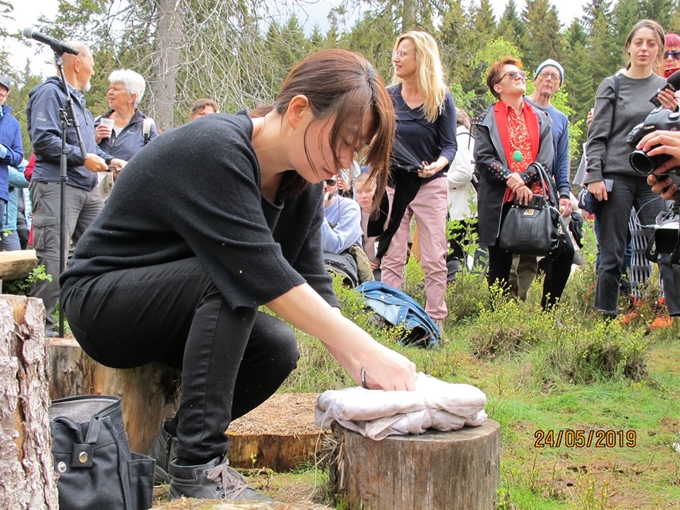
(594, 438)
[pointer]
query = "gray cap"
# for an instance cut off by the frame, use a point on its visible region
(4, 81)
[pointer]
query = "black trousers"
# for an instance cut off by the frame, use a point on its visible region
(231, 360)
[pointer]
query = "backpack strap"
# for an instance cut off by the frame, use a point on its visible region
(617, 87)
(146, 129)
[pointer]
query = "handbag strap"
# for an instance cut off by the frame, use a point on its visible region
(549, 193)
(71, 425)
(92, 431)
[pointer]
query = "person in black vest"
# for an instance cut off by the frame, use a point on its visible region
(208, 223)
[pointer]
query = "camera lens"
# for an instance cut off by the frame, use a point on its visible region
(641, 162)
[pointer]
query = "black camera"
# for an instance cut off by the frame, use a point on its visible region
(658, 119)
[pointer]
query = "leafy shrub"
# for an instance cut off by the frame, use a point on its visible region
(601, 351)
(22, 287)
(467, 296)
(508, 326)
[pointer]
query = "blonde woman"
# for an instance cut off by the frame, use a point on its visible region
(426, 129)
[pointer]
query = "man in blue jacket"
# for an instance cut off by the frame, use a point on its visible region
(11, 147)
(83, 202)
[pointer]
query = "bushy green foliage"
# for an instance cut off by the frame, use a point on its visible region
(22, 287)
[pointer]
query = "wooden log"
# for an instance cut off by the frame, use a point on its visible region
(17, 264)
(457, 470)
(280, 434)
(149, 393)
(27, 476)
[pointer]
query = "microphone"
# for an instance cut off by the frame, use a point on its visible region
(57, 46)
(672, 84)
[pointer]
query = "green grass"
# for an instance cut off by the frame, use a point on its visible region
(562, 370)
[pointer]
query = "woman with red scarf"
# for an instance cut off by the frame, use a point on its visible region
(512, 139)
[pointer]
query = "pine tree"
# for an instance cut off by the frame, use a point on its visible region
(482, 28)
(592, 10)
(658, 10)
(605, 58)
(543, 40)
(454, 35)
(510, 27)
(625, 15)
(579, 83)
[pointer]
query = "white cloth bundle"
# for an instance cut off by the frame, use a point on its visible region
(377, 414)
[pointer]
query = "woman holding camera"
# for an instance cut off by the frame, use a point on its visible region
(621, 103)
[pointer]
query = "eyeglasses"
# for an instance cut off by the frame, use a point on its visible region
(675, 54)
(400, 54)
(331, 182)
(514, 75)
(550, 76)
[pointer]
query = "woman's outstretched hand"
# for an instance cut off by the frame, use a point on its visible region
(391, 372)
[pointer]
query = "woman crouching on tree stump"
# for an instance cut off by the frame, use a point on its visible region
(212, 220)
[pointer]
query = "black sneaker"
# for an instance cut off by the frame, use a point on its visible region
(164, 450)
(214, 480)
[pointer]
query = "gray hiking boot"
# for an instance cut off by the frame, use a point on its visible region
(164, 450)
(214, 480)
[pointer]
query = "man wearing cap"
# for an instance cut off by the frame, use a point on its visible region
(82, 198)
(547, 81)
(11, 147)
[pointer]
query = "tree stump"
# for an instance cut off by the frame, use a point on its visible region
(149, 393)
(280, 434)
(457, 470)
(27, 477)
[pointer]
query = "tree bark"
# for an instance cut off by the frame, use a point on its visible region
(457, 470)
(27, 477)
(167, 45)
(149, 393)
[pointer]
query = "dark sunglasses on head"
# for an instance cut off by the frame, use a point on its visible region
(515, 75)
(331, 182)
(674, 53)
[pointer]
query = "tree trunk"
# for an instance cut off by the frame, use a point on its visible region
(457, 470)
(27, 477)
(167, 45)
(149, 393)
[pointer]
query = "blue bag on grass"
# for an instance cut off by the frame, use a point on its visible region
(400, 309)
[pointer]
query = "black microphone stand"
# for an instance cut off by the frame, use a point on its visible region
(63, 168)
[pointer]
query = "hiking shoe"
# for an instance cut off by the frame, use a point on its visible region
(214, 480)
(164, 450)
(661, 317)
(664, 321)
(633, 310)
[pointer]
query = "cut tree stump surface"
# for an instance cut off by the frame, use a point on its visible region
(280, 434)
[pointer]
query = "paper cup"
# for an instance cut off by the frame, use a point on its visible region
(109, 123)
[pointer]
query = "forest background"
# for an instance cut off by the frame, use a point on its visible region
(238, 52)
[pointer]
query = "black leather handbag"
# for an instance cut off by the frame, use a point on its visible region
(92, 458)
(534, 229)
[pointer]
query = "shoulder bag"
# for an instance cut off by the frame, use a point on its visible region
(534, 229)
(92, 459)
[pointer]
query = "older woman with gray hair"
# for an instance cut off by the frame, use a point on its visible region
(124, 130)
